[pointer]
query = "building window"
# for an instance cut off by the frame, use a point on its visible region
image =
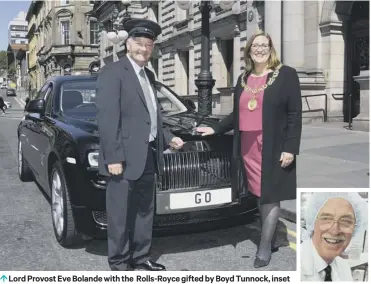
(227, 53)
(108, 26)
(183, 85)
(154, 63)
(65, 32)
(94, 32)
(156, 13)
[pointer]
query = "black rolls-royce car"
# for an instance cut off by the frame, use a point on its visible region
(58, 143)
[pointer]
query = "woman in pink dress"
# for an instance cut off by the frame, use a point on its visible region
(266, 120)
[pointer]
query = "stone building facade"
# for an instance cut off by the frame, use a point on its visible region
(61, 35)
(176, 59)
(17, 61)
(328, 44)
(325, 41)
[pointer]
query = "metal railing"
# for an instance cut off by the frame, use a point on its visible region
(340, 97)
(325, 118)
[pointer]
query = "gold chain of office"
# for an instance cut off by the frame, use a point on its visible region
(253, 103)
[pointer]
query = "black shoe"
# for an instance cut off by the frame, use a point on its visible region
(149, 265)
(258, 263)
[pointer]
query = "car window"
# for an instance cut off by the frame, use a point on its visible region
(78, 99)
(41, 93)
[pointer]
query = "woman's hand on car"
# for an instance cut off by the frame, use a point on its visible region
(204, 131)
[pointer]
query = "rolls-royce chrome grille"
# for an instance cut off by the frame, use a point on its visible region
(188, 170)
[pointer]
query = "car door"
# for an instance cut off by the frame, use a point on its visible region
(47, 132)
(40, 138)
(28, 134)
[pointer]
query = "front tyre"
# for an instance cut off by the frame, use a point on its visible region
(24, 171)
(63, 222)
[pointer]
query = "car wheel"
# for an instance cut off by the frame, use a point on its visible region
(24, 170)
(63, 222)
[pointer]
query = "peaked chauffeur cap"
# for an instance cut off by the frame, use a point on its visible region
(142, 28)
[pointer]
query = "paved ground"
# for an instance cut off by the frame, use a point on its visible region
(331, 157)
(27, 241)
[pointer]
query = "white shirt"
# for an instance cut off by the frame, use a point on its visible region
(313, 265)
(137, 69)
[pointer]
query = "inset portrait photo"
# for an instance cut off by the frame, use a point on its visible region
(334, 236)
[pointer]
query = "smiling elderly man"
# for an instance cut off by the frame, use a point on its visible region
(332, 220)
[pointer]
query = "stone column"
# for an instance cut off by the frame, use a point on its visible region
(272, 23)
(177, 73)
(332, 53)
(102, 46)
(75, 22)
(362, 121)
(293, 34)
(114, 52)
(216, 64)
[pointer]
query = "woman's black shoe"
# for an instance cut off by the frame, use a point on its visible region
(258, 263)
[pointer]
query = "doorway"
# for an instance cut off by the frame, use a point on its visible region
(357, 56)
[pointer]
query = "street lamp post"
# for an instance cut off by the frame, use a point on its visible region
(118, 35)
(205, 82)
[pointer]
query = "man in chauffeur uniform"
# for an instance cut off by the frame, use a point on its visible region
(130, 127)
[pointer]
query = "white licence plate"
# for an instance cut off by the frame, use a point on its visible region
(200, 198)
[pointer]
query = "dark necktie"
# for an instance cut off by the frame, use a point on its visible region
(328, 273)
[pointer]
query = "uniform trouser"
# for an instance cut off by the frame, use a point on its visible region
(130, 212)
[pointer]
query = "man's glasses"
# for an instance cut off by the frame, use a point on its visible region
(345, 224)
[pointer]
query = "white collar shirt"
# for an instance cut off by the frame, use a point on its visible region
(137, 69)
(313, 265)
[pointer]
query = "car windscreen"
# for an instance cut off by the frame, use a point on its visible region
(78, 100)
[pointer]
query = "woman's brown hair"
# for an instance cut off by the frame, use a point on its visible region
(273, 60)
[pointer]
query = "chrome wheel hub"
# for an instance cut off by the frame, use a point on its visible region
(57, 203)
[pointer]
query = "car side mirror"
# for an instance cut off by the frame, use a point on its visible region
(190, 103)
(35, 106)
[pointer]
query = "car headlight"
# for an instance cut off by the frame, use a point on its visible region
(93, 159)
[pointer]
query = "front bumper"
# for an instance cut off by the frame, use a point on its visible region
(94, 223)
(88, 197)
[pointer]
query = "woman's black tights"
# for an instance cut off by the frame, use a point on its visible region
(269, 214)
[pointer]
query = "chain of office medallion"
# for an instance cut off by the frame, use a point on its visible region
(263, 87)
